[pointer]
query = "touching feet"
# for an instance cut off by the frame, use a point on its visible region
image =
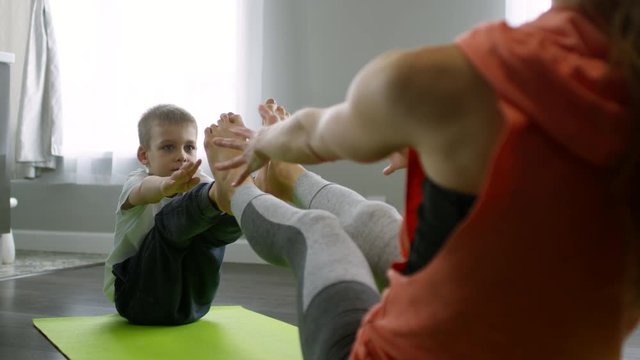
(222, 189)
(231, 157)
(277, 178)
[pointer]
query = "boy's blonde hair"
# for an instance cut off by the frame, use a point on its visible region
(164, 114)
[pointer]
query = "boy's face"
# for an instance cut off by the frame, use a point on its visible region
(170, 147)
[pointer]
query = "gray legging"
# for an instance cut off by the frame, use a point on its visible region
(336, 243)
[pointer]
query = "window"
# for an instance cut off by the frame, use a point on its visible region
(521, 11)
(118, 58)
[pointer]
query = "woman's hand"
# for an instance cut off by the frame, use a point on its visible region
(397, 160)
(251, 159)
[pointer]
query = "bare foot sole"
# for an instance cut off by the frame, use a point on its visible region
(222, 190)
(278, 178)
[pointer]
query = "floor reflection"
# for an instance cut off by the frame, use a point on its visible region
(30, 262)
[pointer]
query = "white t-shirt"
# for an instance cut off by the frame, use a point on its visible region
(132, 225)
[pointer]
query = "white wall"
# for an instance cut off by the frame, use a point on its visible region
(313, 48)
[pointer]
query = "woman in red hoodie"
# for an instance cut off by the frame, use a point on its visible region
(529, 139)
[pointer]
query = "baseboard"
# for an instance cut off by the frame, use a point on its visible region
(100, 243)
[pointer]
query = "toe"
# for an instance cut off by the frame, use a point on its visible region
(211, 129)
(236, 119)
(224, 118)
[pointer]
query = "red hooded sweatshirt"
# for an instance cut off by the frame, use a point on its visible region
(537, 269)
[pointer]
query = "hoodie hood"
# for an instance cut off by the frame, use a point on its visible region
(556, 72)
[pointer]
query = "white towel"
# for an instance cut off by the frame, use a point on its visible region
(39, 137)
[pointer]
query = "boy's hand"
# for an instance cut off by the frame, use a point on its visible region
(181, 180)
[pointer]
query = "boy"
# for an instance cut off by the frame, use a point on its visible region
(170, 235)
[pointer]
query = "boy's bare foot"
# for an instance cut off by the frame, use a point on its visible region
(222, 190)
(278, 178)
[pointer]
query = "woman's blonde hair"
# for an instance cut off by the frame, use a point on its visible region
(621, 20)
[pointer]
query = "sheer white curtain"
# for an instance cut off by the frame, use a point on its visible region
(118, 58)
(521, 11)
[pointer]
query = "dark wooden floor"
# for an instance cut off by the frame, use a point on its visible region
(78, 292)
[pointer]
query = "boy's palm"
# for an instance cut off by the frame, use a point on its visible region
(181, 180)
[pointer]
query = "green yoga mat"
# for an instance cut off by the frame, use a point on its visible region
(226, 333)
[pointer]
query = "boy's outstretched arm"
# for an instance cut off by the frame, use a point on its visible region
(154, 188)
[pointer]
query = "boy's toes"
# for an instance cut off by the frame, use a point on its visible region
(211, 129)
(230, 119)
(236, 119)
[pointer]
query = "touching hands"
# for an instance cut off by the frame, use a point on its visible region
(181, 180)
(251, 158)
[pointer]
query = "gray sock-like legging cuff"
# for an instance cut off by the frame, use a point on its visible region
(306, 187)
(242, 196)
